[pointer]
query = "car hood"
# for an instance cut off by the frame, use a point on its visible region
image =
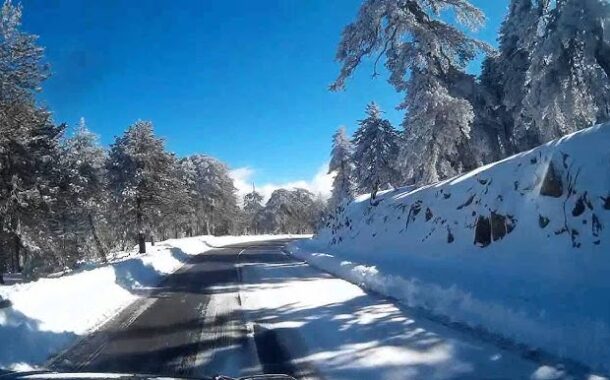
(48, 375)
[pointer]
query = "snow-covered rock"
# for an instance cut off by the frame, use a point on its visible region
(520, 247)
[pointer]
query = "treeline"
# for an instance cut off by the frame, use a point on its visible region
(550, 77)
(66, 199)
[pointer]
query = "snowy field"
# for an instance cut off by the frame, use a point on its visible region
(49, 314)
(519, 248)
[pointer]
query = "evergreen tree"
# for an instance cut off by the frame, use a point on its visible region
(504, 75)
(140, 178)
(426, 58)
(81, 202)
(568, 79)
(186, 215)
(216, 195)
(375, 152)
(253, 204)
(289, 211)
(341, 164)
(28, 147)
(436, 126)
(176, 215)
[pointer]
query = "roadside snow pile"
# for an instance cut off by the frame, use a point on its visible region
(48, 314)
(520, 247)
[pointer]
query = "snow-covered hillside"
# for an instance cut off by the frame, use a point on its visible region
(49, 314)
(520, 247)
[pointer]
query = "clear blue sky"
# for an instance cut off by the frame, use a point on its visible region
(245, 81)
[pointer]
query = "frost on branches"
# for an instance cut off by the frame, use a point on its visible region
(549, 78)
(375, 152)
(342, 165)
(568, 78)
(423, 54)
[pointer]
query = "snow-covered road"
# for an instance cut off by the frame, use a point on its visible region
(344, 333)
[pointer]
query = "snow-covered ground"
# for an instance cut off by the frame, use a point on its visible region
(49, 314)
(342, 332)
(519, 248)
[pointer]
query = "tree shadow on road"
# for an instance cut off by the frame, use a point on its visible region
(367, 336)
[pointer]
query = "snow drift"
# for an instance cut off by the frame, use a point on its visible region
(49, 314)
(520, 247)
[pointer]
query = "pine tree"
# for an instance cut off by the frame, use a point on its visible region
(504, 75)
(253, 204)
(216, 195)
(568, 79)
(289, 211)
(426, 58)
(341, 164)
(375, 152)
(140, 178)
(81, 202)
(436, 126)
(28, 147)
(177, 215)
(185, 215)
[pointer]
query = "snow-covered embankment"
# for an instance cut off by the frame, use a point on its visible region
(520, 248)
(49, 314)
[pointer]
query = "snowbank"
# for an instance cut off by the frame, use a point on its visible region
(334, 330)
(520, 247)
(48, 314)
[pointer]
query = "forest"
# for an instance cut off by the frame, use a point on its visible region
(65, 199)
(549, 77)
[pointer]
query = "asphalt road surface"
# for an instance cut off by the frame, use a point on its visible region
(191, 325)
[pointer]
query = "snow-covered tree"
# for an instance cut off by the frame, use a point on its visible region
(375, 152)
(425, 57)
(342, 165)
(252, 205)
(289, 211)
(28, 146)
(216, 195)
(81, 202)
(436, 126)
(22, 68)
(504, 75)
(177, 215)
(568, 78)
(186, 215)
(140, 178)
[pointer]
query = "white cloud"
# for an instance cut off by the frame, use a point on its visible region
(321, 183)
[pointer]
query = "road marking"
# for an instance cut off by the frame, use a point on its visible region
(250, 326)
(236, 348)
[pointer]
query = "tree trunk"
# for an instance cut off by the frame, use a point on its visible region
(98, 243)
(141, 236)
(17, 256)
(374, 193)
(141, 242)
